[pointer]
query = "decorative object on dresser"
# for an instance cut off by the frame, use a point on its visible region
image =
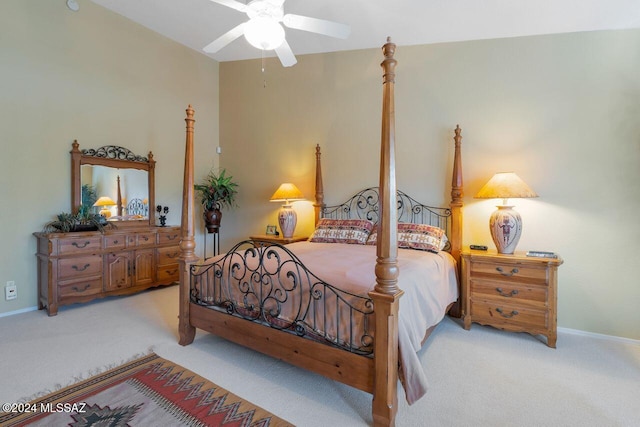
(163, 218)
(505, 223)
(511, 292)
(216, 192)
(135, 255)
(287, 217)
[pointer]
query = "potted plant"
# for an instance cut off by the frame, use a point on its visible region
(216, 191)
(84, 220)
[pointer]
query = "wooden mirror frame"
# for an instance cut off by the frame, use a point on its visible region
(115, 157)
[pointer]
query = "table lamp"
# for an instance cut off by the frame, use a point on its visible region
(505, 223)
(105, 202)
(287, 217)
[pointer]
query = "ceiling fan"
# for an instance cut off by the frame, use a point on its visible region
(264, 31)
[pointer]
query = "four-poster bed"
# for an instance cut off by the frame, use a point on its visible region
(285, 302)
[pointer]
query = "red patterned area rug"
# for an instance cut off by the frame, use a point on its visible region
(149, 391)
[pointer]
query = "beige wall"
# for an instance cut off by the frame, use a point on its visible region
(562, 111)
(98, 78)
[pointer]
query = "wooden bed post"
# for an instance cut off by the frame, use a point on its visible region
(386, 294)
(319, 204)
(456, 212)
(187, 244)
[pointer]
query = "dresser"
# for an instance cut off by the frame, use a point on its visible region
(82, 266)
(511, 292)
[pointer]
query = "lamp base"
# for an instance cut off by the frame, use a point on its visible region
(505, 225)
(287, 218)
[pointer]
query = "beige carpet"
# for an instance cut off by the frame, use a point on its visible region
(481, 377)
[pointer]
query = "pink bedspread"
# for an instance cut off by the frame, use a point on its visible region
(427, 279)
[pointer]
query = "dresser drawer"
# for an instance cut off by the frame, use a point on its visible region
(169, 238)
(115, 241)
(74, 245)
(70, 289)
(141, 239)
(502, 271)
(508, 316)
(168, 255)
(168, 273)
(89, 265)
(507, 291)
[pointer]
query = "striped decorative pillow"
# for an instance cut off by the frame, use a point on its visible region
(354, 231)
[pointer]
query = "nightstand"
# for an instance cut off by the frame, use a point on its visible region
(511, 292)
(278, 239)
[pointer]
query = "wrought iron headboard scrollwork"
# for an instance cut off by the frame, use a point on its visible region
(364, 205)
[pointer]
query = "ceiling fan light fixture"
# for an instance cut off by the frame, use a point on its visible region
(264, 33)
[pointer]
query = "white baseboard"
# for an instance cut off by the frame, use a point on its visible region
(22, 310)
(599, 336)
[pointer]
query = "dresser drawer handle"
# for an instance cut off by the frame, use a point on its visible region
(175, 236)
(508, 316)
(173, 255)
(511, 273)
(79, 245)
(76, 268)
(75, 288)
(145, 238)
(508, 295)
(115, 242)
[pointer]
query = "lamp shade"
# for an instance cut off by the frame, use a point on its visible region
(505, 185)
(505, 223)
(104, 201)
(287, 192)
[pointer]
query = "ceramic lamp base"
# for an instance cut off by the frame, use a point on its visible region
(287, 218)
(506, 227)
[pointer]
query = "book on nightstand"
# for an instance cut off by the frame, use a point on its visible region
(542, 254)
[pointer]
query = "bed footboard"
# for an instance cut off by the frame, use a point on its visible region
(267, 284)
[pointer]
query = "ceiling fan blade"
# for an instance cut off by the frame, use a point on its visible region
(285, 54)
(320, 26)
(225, 39)
(233, 4)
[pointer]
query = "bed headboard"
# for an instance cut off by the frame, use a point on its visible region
(364, 205)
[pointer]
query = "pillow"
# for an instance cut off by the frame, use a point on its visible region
(423, 237)
(354, 231)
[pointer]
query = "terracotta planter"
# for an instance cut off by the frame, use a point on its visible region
(212, 219)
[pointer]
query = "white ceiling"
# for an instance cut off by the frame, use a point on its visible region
(195, 23)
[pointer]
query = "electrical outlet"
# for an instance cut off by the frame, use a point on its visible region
(10, 291)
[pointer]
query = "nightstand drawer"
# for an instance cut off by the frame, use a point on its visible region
(502, 271)
(508, 291)
(508, 316)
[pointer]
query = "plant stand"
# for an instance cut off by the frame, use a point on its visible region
(216, 242)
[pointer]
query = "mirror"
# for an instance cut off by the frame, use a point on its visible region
(115, 182)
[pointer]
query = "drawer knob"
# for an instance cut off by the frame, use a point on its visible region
(508, 316)
(81, 245)
(511, 273)
(508, 295)
(76, 268)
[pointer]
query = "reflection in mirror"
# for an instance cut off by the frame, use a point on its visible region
(128, 186)
(115, 182)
